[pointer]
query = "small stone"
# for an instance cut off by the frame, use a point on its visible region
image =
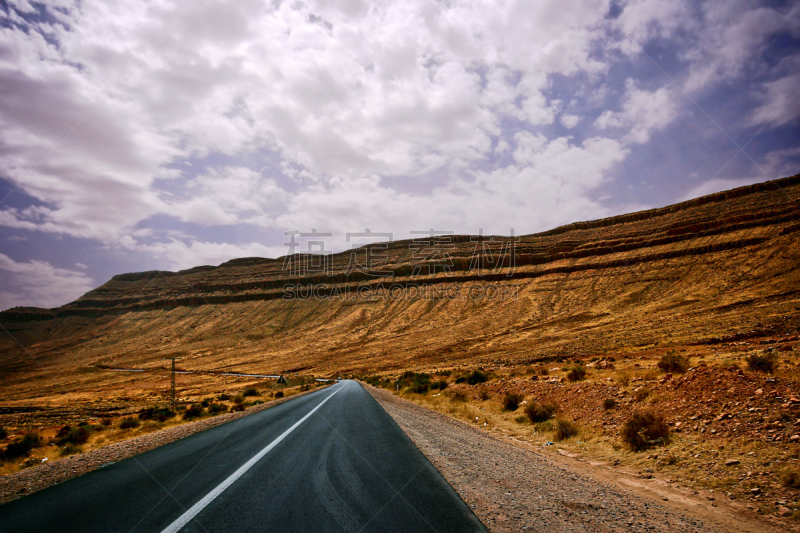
(755, 491)
(731, 462)
(784, 511)
(794, 438)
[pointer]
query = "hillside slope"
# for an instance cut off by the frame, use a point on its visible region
(714, 269)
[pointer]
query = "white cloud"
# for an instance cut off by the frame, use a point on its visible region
(781, 102)
(40, 284)
(569, 121)
(182, 255)
(643, 112)
(385, 115)
(731, 39)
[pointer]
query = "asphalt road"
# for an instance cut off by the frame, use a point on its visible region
(333, 460)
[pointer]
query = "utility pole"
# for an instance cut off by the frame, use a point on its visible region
(173, 359)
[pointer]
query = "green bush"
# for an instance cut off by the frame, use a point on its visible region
(477, 377)
(128, 423)
(279, 394)
(511, 401)
(415, 382)
(193, 411)
(22, 447)
(673, 362)
(439, 385)
(419, 388)
(72, 435)
(762, 362)
(238, 407)
(216, 408)
(473, 378)
(224, 397)
(565, 429)
(3, 433)
(250, 391)
(106, 422)
(644, 430)
(609, 403)
(538, 412)
(205, 402)
(161, 414)
(576, 373)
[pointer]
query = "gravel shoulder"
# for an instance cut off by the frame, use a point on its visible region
(35, 478)
(512, 487)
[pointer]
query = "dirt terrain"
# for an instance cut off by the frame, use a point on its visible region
(714, 279)
(495, 477)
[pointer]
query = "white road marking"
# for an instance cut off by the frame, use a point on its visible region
(208, 498)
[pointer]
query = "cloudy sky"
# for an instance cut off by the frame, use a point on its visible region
(148, 134)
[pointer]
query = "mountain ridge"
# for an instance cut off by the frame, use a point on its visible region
(94, 303)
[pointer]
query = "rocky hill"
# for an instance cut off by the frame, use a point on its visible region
(712, 270)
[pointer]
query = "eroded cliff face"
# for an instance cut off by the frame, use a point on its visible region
(710, 270)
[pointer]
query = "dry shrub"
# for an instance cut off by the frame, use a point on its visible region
(645, 429)
(576, 373)
(511, 401)
(623, 378)
(565, 429)
(193, 411)
(484, 394)
(791, 479)
(762, 362)
(641, 394)
(458, 396)
(609, 403)
(128, 423)
(673, 362)
(21, 447)
(72, 435)
(538, 412)
(69, 449)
